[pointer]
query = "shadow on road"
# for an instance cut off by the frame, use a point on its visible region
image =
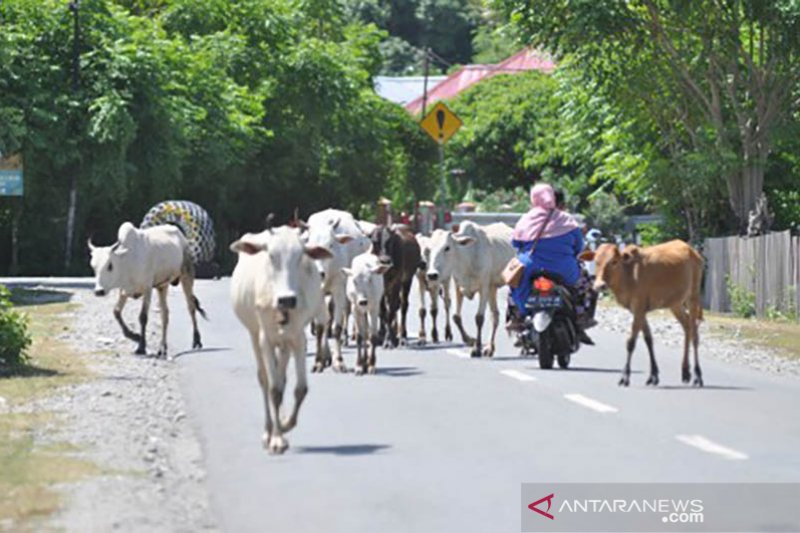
(599, 370)
(398, 371)
(705, 387)
(201, 350)
(344, 449)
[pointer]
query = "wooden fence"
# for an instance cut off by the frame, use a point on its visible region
(768, 266)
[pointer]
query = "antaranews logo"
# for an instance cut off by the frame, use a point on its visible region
(549, 500)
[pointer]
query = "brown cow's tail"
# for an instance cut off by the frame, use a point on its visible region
(697, 290)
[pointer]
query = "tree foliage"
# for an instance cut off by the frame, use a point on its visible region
(245, 107)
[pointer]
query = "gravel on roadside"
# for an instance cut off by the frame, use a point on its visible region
(130, 421)
(667, 331)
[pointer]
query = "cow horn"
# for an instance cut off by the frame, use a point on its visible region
(91, 246)
(270, 221)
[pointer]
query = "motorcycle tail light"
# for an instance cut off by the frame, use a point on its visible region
(543, 285)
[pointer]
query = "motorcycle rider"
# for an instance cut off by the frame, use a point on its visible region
(560, 242)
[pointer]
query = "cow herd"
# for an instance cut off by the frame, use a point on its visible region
(320, 272)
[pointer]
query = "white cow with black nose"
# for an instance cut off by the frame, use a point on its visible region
(365, 291)
(338, 232)
(276, 292)
(140, 261)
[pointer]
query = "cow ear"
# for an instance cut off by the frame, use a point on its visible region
(630, 254)
(382, 268)
(318, 252)
(347, 272)
(120, 251)
(247, 246)
(586, 255)
(464, 240)
(455, 227)
(344, 239)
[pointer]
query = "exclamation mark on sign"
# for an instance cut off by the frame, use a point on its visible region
(440, 120)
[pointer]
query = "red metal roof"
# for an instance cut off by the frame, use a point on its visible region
(524, 60)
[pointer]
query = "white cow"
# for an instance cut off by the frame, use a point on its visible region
(275, 290)
(338, 232)
(475, 257)
(140, 261)
(433, 288)
(365, 292)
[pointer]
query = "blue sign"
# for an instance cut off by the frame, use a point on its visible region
(11, 182)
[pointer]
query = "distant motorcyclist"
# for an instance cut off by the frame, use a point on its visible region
(560, 242)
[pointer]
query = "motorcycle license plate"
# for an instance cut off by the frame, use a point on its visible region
(544, 302)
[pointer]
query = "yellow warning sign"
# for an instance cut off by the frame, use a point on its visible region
(441, 123)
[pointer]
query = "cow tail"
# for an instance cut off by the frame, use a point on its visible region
(697, 298)
(199, 308)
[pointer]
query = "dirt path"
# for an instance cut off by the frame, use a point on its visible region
(130, 421)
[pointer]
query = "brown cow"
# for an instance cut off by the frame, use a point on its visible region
(665, 276)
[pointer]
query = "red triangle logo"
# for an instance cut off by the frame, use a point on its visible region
(549, 500)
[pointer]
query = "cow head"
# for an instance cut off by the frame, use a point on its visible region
(325, 236)
(385, 244)
(444, 251)
(109, 262)
(365, 279)
(288, 263)
(611, 264)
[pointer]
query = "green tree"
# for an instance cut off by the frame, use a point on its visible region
(704, 70)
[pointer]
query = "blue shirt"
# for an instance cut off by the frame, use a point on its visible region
(556, 254)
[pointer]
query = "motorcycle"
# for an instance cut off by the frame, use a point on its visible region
(550, 327)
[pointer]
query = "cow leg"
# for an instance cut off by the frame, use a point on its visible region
(680, 315)
(264, 383)
(448, 332)
(479, 317)
(187, 284)
(277, 382)
(469, 341)
(162, 306)
(323, 356)
(638, 317)
(404, 293)
(648, 340)
(422, 288)
(374, 337)
(489, 350)
(142, 348)
(361, 328)
(339, 301)
(434, 313)
(301, 387)
(123, 298)
(694, 324)
(394, 307)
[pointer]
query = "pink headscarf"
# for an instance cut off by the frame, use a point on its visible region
(543, 199)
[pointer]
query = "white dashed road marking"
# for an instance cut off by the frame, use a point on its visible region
(594, 405)
(702, 443)
(516, 374)
(458, 353)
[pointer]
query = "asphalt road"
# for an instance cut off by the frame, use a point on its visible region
(440, 442)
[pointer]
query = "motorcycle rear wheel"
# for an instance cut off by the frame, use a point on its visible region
(545, 353)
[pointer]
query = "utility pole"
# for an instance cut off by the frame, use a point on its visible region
(426, 70)
(74, 6)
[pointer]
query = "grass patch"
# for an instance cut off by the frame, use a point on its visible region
(782, 337)
(30, 469)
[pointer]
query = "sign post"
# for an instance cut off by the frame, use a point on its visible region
(12, 185)
(441, 124)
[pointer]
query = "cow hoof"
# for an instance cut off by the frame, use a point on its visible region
(488, 351)
(339, 367)
(686, 376)
(476, 352)
(318, 367)
(624, 381)
(435, 338)
(403, 343)
(698, 382)
(277, 445)
(359, 371)
(371, 370)
(652, 380)
(448, 335)
(141, 351)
